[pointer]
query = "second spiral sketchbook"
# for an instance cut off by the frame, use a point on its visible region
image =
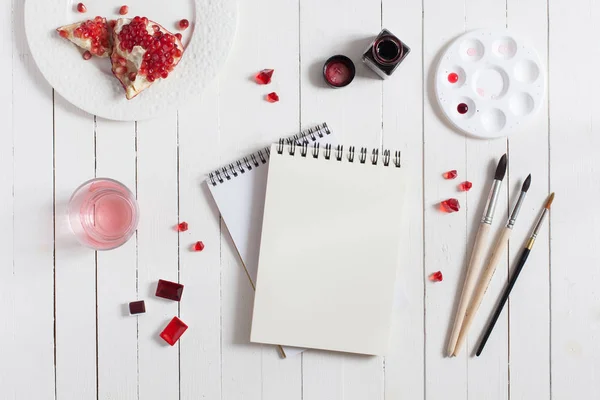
(329, 248)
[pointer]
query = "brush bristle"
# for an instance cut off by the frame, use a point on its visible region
(526, 184)
(549, 201)
(501, 169)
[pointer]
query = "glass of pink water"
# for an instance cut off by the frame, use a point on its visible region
(103, 214)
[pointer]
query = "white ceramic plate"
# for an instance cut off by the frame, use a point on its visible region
(497, 75)
(91, 86)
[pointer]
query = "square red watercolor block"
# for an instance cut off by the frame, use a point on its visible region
(173, 331)
(169, 290)
(137, 307)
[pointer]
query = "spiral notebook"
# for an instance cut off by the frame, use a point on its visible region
(329, 248)
(239, 192)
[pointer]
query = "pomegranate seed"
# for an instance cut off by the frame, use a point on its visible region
(112, 23)
(81, 8)
(452, 77)
(198, 246)
(184, 24)
(63, 34)
(450, 174)
(122, 61)
(123, 10)
(132, 76)
(178, 36)
(182, 227)
(450, 205)
(465, 186)
(164, 75)
(436, 277)
(264, 76)
(120, 70)
(87, 55)
(272, 97)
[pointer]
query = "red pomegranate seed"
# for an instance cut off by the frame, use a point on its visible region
(123, 10)
(264, 77)
(182, 227)
(122, 61)
(112, 23)
(178, 36)
(436, 277)
(450, 205)
(272, 97)
(452, 77)
(462, 108)
(198, 246)
(87, 55)
(450, 174)
(81, 8)
(184, 24)
(465, 186)
(120, 70)
(63, 33)
(132, 76)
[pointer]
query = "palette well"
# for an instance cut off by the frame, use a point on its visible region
(488, 84)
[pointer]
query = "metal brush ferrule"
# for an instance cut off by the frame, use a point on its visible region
(515, 212)
(490, 207)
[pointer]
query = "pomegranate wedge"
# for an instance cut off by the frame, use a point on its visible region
(144, 51)
(92, 35)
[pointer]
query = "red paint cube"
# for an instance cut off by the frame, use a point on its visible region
(173, 331)
(169, 290)
(137, 307)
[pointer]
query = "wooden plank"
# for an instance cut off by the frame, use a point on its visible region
(248, 122)
(157, 253)
(529, 303)
(403, 130)
(200, 356)
(445, 234)
(75, 265)
(8, 375)
(31, 274)
(481, 162)
(574, 237)
(354, 114)
(117, 273)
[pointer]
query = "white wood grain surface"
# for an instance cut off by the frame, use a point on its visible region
(64, 329)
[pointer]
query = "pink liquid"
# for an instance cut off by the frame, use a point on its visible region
(103, 214)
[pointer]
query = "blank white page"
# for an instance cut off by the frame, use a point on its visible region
(328, 253)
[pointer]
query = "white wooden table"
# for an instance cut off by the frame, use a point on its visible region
(63, 332)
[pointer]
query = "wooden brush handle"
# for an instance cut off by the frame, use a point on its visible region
(484, 282)
(470, 280)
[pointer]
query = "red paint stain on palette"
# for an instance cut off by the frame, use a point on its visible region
(489, 84)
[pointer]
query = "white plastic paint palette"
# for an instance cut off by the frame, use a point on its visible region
(489, 84)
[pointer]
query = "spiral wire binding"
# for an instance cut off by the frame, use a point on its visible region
(261, 157)
(338, 153)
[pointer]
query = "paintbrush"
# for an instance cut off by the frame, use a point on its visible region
(476, 257)
(515, 275)
(490, 268)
